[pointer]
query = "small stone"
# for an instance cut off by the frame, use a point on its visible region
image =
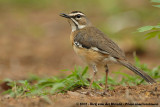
(75, 94)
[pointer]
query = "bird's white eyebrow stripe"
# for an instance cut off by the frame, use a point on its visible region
(73, 14)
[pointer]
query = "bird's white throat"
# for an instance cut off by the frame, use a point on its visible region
(75, 24)
(75, 28)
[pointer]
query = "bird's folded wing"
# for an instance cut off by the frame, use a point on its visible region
(92, 38)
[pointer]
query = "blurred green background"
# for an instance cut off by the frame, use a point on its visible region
(35, 39)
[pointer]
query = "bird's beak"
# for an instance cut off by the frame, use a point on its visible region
(64, 15)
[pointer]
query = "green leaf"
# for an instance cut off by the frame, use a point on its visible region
(156, 6)
(156, 1)
(96, 85)
(155, 31)
(137, 61)
(145, 28)
(111, 88)
(7, 80)
(152, 34)
(159, 36)
(57, 86)
(84, 71)
(112, 81)
(124, 74)
(157, 26)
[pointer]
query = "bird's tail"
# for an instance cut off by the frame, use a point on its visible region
(137, 71)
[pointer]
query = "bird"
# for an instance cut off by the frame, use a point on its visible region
(96, 48)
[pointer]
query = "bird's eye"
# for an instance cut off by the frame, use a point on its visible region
(78, 16)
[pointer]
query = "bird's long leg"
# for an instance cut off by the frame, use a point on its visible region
(94, 74)
(107, 70)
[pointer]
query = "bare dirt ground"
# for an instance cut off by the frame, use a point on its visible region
(22, 52)
(142, 95)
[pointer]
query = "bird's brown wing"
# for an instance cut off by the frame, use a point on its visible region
(92, 38)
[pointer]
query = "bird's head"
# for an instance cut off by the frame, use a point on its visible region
(77, 20)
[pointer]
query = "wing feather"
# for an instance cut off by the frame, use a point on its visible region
(91, 38)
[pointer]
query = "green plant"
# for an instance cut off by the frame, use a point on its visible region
(152, 31)
(156, 1)
(44, 86)
(77, 79)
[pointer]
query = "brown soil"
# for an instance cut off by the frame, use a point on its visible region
(37, 42)
(146, 95)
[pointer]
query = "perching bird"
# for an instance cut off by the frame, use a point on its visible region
(94, 47)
